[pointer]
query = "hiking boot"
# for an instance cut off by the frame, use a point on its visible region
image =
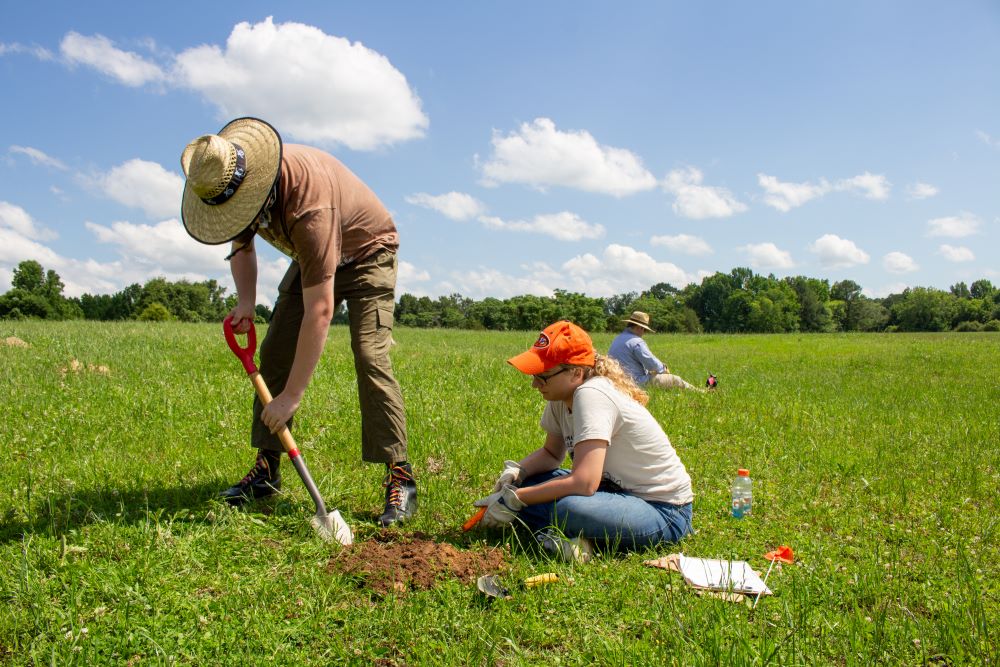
(263, 480)
(400, 495)
(569, 550)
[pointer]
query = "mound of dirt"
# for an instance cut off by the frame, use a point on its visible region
(14, 341)
(75, 366)
(401, 563)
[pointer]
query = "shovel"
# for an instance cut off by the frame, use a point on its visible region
(328, 525)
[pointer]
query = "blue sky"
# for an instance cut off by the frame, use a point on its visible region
(523, 147)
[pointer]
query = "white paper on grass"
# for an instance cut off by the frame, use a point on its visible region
(723, 575)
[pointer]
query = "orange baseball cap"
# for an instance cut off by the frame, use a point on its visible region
(559, 343)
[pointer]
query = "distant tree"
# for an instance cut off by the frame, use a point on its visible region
(982, 289)
(708, 301)
(961, 290)
(155, 312)
(19, 303)
(864, 314)
(845, 290)
(264, 313)
(924, 309)
(28, 276)
(971, 310)
(813, 295)
(37, 293)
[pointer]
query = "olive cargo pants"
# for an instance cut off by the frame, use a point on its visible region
(367, 285)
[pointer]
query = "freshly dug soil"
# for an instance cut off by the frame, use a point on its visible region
(401, 563)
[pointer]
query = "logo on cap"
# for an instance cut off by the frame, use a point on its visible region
(542, 342)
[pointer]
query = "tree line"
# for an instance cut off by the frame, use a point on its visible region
(740, 301)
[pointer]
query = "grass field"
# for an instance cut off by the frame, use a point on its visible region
(875, 457)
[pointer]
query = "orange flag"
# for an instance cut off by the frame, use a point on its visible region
(782, 554)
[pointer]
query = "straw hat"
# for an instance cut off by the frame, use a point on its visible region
(640, 319)
(229, 177)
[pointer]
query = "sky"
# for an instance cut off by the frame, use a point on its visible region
(522, 147)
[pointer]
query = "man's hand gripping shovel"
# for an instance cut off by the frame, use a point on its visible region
(328, 525)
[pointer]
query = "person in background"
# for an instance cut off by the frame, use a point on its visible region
(244, 182)
(626, 489)
(632, 352)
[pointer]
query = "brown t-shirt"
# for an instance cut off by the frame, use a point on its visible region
(325, 216)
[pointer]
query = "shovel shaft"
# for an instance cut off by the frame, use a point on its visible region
(284, 435)
(300, 467)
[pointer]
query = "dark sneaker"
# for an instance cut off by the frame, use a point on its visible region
(263, 480)
(712, 382)
(400, 495)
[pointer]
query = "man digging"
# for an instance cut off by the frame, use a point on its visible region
(244, 182)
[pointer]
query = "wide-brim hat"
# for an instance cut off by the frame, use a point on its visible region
(229, 177)
(558, 344)
(640, 319)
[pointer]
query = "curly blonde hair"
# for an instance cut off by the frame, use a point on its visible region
(607, 367)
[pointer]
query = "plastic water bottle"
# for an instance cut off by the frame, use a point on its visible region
(742, 494)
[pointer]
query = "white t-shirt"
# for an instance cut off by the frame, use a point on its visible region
(640, 458)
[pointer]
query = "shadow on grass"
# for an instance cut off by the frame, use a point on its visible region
(58, 513)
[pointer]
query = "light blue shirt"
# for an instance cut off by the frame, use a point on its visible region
(631, 351)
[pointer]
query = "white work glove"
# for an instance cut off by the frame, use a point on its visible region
(501, 507)
(512, 474)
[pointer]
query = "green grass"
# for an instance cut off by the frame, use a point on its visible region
(875, 457)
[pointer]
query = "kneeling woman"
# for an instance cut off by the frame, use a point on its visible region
(627, 488)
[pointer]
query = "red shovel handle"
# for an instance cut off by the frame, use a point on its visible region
(244, 354)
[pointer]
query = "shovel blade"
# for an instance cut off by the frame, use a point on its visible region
(332, 527)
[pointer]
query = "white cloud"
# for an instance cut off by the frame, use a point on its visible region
(884, 290)
(16, 247)
(100, 53)
(146, 251)
(164, 245)
(165, 249)
(956, 226)
(837, 253)
(897, 262)
(19, 221)
(683, 243)
(483, 282)
(453, 205)
(698, 201)
(956, 253)
(620, 269)
(539, 155)
(406, 278)
(312, 86)
(785, 196)
(38, 157)
(768, 256)
(144, 185)
(564, 226)
(36, 51)
(987, 139)
(78, 276)
(921, 190)
(869, 185)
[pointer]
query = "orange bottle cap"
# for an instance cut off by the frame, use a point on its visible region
(743, 472)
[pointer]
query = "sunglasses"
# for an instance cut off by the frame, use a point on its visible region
(545, 378)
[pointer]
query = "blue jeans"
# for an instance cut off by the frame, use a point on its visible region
(613, 519)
